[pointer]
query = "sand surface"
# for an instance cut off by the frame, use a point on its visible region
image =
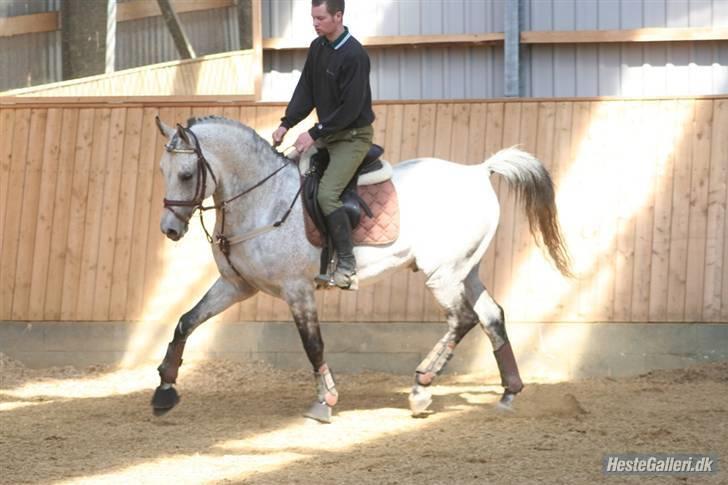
(241, 423)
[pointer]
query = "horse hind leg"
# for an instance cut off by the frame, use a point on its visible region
(218, 298)
(492, 320)
(461, 319)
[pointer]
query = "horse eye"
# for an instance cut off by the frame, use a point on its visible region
(185, 176)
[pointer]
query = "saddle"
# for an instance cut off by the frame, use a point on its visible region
(369, 199)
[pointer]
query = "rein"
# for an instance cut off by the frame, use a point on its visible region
(222, 241)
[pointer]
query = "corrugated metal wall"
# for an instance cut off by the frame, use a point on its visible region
(399, 73)
(404, 73)
(29, 60)
(623, 14)
(292, 18)
(665, 68)
(11, 8)
(640, 69)
(147, 40)
(643, 69)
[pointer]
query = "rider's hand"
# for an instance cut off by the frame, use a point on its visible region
(304, 142)
(278, 135)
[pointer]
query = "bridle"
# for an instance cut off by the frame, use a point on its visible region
(203, 167)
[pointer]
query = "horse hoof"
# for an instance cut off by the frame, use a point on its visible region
(164, 400)
(506, 402)
(419, 400)
(320, 411)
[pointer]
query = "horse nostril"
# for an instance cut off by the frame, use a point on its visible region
(172, 234)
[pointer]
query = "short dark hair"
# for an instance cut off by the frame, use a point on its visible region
(332, 6)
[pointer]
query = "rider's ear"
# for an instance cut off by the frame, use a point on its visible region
(182, 134)
(165, 130)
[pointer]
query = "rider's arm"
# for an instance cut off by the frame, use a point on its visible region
(301, 103)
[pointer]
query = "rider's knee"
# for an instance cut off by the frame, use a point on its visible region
(328, 201)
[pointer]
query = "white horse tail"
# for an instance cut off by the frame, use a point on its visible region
(534, 186)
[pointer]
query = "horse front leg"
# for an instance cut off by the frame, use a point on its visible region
(303, 308)
(221, 295)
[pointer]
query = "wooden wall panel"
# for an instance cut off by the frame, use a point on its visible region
(29, 212)
(209, 75)
(94, 211)
(661, 234)
(125, 217)
(641, 186)
(13, 210)
(563, 135)
(648, 138)
(61, 215)
(699, 184)
(680, 226)
(7, 119)
(714, 282)
(48, 175)
(77, 215)
(110, 235)
(624, 251)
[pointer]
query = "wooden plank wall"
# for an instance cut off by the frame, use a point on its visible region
(227, 73)
(641, 192)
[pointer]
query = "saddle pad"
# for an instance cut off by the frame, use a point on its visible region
(379, 230)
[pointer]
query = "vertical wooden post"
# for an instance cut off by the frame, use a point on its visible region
(245, 24)
(175, 29)
(83, 38)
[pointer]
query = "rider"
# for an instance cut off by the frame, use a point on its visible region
(335, 81)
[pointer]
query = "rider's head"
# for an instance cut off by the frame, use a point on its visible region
(328, 17)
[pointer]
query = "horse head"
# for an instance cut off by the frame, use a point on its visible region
(188, 179)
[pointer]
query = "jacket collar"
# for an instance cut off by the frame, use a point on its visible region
(341, 40)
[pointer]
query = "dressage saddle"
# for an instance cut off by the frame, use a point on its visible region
(354, 205)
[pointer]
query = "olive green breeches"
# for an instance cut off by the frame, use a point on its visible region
(347, 149)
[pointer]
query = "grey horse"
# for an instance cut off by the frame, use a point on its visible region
(448, 215)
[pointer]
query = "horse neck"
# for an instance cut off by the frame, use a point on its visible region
(239, 165)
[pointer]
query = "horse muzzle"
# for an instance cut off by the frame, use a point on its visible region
(172, 227)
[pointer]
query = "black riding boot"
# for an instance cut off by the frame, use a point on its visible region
(339, 228)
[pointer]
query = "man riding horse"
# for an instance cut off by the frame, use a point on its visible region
(335, 81)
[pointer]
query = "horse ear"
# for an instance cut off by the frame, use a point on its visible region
(182, 134)
(165, 130)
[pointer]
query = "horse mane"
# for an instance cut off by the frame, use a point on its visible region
(258, 141)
